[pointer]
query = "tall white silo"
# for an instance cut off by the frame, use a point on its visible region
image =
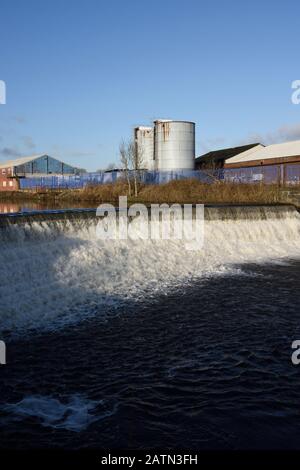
(174, 145)
(144, 145)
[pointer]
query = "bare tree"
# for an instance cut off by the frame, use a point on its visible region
(131, 156)
(125, 157)
(210, 170)
(137, 164)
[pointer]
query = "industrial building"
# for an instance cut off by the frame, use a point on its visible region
(251, 155)
(276, 163)
(284, 153)
(167, 146)
(216, 159)
(166, 151)
(12, 171)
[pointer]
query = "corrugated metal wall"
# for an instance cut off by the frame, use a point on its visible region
(71, 182)
(288, 174)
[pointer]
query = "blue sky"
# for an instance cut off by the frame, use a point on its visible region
(80, 75)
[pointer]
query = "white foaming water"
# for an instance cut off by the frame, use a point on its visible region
(57, 272)
(76, 413)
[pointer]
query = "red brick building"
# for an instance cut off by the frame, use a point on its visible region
(8, 182)
(37, 165)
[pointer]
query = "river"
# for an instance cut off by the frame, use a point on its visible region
(146, 345)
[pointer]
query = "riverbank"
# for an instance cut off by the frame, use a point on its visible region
(183, 191)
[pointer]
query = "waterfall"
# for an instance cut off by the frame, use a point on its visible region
(55, 271)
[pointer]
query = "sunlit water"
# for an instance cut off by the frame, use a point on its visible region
(22, 206)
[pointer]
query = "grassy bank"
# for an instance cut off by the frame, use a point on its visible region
(183, 191)
(34, 196)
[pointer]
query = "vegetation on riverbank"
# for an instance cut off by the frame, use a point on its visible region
(181, 191)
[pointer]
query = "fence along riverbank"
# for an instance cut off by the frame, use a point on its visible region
(272, 174)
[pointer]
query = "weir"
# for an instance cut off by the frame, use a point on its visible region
(33, 224)
(212, 212)
(55, 272)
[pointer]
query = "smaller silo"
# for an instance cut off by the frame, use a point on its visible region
(144, 146)
(174, 145)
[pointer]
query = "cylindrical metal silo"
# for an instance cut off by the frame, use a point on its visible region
(174, 145)
(144, 146)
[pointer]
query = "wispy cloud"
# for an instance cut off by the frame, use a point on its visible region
(23, 146)
(283, 133)
(10, 152)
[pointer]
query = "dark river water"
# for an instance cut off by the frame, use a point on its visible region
(206, 366)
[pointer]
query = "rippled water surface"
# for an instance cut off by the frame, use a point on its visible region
(208, 365)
